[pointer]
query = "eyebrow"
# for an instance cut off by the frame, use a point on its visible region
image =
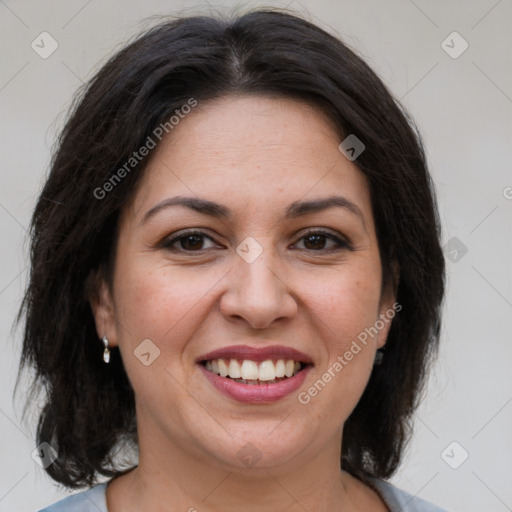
(219, 211)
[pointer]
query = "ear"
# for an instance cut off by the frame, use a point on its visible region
(102, 305)
(389, 307)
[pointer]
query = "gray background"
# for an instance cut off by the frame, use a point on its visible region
(463, 108)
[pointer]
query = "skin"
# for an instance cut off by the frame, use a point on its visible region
(255, 155)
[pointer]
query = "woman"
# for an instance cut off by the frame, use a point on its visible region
(236, 272)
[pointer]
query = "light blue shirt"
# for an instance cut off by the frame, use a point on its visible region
(94, 500)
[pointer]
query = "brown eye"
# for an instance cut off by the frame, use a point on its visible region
(316, 241)
(191, 241)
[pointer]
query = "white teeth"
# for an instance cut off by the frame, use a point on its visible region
(248, 372)
(223, 368)
(280, 368)
(267, 370)
(234, 369)
(290, 364)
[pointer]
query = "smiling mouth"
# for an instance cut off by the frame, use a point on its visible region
(247, 371)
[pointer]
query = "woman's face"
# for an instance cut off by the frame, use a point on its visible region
(265, 273)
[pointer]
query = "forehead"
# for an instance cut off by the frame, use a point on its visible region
(253, 153)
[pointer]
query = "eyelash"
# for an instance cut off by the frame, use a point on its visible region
(342, 244)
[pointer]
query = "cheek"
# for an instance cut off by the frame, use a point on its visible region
(160, 306)
(347, 363)
(166, 305)
(161, 303)
(343, 310)
(346, 302)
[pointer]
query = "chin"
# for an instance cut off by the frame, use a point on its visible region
(257, 448)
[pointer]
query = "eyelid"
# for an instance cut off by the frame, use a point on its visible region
(342, 241)
(168, 241)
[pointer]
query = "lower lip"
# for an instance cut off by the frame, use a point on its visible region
(256, 393)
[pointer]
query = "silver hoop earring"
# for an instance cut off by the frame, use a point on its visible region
(106, 352)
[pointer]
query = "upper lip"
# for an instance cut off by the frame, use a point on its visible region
(256, 353)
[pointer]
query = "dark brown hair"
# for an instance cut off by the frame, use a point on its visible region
(89, 406)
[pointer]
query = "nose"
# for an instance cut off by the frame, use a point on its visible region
(257, 293)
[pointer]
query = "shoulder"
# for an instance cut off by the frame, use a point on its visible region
(91, 500)
(401, 501)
